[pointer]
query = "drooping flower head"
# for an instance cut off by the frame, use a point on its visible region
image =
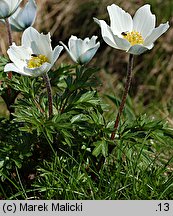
(135, 35)
(81, 51)
(8, 7)
(35, 56)
(23, 17)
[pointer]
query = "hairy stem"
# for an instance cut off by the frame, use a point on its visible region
(9, 91)
(10, 40)
(49, 93)
(123, 101)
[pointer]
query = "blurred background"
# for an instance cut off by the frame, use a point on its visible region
(152, 87)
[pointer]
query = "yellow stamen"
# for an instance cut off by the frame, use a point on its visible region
(37, 61)
(133, 37)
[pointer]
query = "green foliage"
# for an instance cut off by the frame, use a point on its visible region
(77, 121)
(132, 172)
(16, 147)
(3, 62)
(70, 155)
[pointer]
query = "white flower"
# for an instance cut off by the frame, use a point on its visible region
(81, 51)
(35, 56)
(135, 35)
(8, 7)
(23, 17)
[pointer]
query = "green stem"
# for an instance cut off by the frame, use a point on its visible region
(127, 87)
(49, 93)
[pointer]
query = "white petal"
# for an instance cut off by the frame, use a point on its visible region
(122, 43)
(106, 33)
(86, 40)
(4, 9)
(12, 67)
(55, 54)
(156, 33)
(89, 43)
(150, 46)
(70, 53)
(137, 49)
(84, 45)
(76, 47)
(8, 7)
(72, 48)
(44, 68)
(39, 43)
(19, 55)
(92, 41)
(144, 20)
(120, 21)
(88, 55)
(15, 25)
(28, 14)
(23, 18)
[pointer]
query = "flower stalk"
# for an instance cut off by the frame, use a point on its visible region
(10, 40)
(123, 101)
(9, 91)
(49, 93)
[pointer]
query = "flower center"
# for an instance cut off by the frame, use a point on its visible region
(133, 37)
(37, 61)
